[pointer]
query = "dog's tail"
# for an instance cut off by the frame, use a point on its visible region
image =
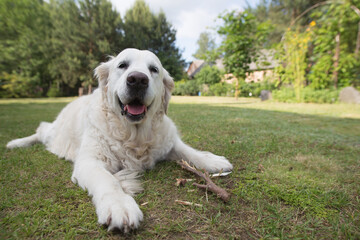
(23, 142)
(38, 137)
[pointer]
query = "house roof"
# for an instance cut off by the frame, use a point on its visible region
(195, 67)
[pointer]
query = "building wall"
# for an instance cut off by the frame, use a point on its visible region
(255, 76)
(258, 76)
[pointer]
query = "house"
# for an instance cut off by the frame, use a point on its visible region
(263, 67)
(258, 71)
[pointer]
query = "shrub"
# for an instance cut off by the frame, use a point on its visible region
(221, 89)
(320, 96)
(54, 91)
(176, 90)
(320, 76)
(186, 88)
(255, 88)
(17, 85)
(308, 95)
(284, 95)
(208, 75)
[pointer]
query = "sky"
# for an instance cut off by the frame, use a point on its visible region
(189, 17)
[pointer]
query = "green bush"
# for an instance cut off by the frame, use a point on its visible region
(18, 85)
(221, 89)
(178, 87)
(208, 75)
(320, 96)
(321, 73)
(255, 88)
(284, 95)
(186, 88)
(193, 87)
(308, 95)
(54, 91)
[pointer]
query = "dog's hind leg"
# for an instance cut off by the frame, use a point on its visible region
(39, 136)
(202, 160)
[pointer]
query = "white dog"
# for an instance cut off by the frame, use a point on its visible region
(116, 132)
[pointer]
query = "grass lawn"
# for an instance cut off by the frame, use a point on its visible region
(296, 176)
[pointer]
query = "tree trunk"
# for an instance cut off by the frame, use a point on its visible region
(336, 60)
(357, 48)
(237, 88)
(81, 91)
(357, 42)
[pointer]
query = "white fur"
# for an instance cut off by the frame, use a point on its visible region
(108, 150)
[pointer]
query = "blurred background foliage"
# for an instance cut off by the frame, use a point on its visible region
(50, 48)
(316, 45)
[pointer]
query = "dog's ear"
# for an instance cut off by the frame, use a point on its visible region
(101, 72)
(169, 86)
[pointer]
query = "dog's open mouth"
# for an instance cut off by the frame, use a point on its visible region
(134, 110)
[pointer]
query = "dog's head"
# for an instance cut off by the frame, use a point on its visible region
(135, 84)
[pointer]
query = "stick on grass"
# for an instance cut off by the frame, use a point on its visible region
(210, 185)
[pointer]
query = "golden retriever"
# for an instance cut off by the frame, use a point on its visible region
(117, 132)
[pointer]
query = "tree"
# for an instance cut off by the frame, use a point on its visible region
(163, 45)
(281, 13)
(243, 37)
(139, 22)
(83, 35)
(145, 30)
(102, 35)
(65, 41)
(206, 44)
(330, 58)
(292, 54)
(334, 59)
(24, 27)
(53, 46)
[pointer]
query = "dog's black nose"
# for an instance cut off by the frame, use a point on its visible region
(137, 80)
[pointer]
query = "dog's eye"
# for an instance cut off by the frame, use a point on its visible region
(153, 69)
(123, 65)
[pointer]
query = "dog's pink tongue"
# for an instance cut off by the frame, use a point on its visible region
(136, 109)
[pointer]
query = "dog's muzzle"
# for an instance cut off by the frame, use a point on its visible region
(134, 109)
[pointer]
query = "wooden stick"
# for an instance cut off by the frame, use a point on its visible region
(186, 203)
(210, 185)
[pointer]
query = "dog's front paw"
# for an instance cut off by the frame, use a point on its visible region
(216, 163)
(119, 211)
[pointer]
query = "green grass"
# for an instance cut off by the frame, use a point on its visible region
(296, 176)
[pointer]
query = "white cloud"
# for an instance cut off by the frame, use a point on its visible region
(190, 23)
(189, 17)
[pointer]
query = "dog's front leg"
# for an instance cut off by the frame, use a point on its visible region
(114, 207)
(202, 160)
